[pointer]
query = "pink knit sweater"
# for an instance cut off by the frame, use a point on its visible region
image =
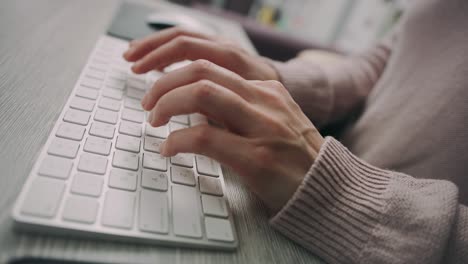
(397, 192)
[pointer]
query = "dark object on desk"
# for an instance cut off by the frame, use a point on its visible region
(45, 261)
(130, 22)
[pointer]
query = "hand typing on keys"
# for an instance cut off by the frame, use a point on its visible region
(266, 137)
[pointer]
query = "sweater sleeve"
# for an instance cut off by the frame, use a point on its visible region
(328, 92)
(347, 211)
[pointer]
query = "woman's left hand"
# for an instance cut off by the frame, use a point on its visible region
(266, 139)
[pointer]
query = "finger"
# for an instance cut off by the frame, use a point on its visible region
(221, 145)
(139, 48)
(205, 97)
(189, 48)
(196, 71)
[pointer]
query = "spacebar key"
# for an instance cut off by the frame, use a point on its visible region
(186, 215)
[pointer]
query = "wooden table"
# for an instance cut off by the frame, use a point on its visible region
(43, 47)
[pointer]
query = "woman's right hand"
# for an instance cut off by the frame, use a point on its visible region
(165, 47)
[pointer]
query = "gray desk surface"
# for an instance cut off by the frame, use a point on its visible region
(43, 47)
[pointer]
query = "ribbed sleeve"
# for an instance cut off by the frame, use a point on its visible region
(347, 211)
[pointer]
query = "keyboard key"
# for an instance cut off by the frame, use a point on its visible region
(87, 93)
(112, 93)
(130, 128)
(56, 167)
(123, 179)
(106, 116)
(117, 74)
(207, 166)
(135, 93)
(95, 74)
(133, 104)
(82, 104)
(87, 184)
(132, 115)
(153, 212)
(109, 104)
(63, 148)
(76, 117)
(183, 159)
(156, 180)
(92, 163)
(185, 211)
(160, 132)
(210, 185)
(125, 160)
(154, 161)
(128, 143)
(80, 209)
(102, 130)
(43, 198)
(91, 83)
(214, 206)
(152, 144)
(137, 84)
(218, 229)
(98, 145)
(182, 176)
(70, 131)
(183, 119)
(118, 209)
(176, 126)
(115, 83)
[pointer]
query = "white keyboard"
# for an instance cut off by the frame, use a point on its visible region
(100, 173)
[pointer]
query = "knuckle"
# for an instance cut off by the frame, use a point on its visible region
(263, 157)
(275, 85)
(182, 41)
(201, 138)
(203, 91)
(202, 68)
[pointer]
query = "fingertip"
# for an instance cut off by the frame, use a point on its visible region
(163, 149)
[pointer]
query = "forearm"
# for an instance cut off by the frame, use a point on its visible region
(347, 211)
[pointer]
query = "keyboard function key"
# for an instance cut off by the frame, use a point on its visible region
(98, 145)
(154, 161)
(70, 131)
(132, 115)
(82, 104)
(76, 117)
(182, 176)
(118, 209)
(210, 185)
(153, 212)
(130, 128)
(63, 148)
(87, 184)
(156, 180)
(109, 104)
(106, 116)
(123, 179)
(128, 143)
(102, 130)
(125, 160)
(80, 209)
(92, 163)
(43, 197)
(56, 167)
(218, 229)
(214, 206)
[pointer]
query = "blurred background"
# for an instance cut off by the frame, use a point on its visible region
(281, 28)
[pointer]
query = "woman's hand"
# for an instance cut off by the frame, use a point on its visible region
(176, 44)
(267, 139)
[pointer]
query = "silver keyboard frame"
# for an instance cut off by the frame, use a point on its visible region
(57, 225)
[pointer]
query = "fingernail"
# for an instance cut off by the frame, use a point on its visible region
(150, 117)
(162, 149)
(144, 101)
(130, 51)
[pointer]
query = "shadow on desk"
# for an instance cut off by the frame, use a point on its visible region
(45, 261)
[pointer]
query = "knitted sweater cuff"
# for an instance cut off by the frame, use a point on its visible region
(338, 204)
